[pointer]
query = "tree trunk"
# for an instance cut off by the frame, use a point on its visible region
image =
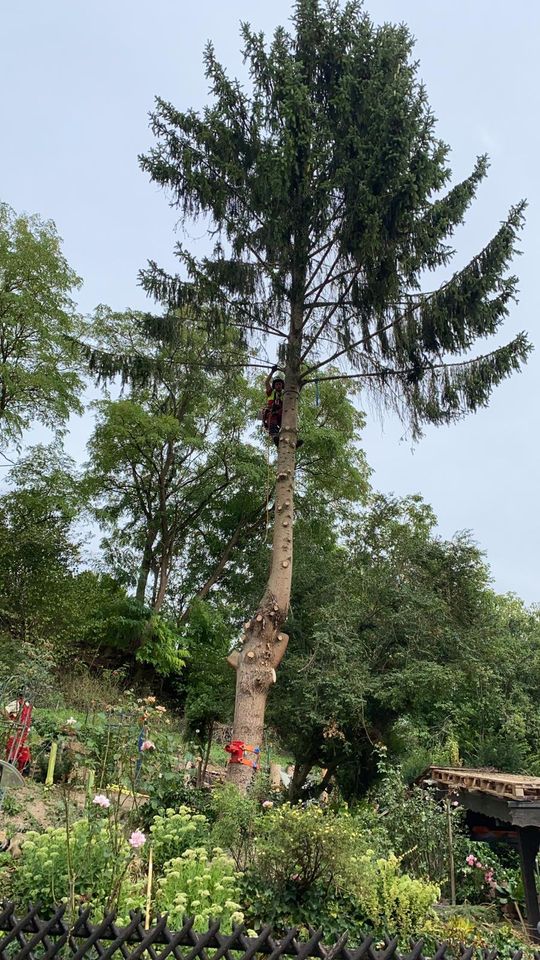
(164, 572)
(145, 567)
(263, 644)
(299, 777)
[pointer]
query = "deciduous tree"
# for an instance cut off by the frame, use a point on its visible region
(38, 323)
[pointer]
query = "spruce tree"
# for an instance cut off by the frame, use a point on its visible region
(327, 194)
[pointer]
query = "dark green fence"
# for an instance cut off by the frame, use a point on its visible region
(27, 935)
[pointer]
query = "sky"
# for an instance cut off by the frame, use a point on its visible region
(77, 81)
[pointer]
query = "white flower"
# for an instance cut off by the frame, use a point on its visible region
(101, 800)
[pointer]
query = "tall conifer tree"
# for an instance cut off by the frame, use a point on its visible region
(326, 190)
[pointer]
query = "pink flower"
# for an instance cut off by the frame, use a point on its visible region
(137, 839)
(148, 745)
(471, 859)
(488, 876)
(101, 800)
(267, 804)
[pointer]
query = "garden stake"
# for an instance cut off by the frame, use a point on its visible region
(90, 785)
(49, 779)
(149, 888)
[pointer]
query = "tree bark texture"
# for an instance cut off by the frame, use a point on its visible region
(145, 567)
(263, 642)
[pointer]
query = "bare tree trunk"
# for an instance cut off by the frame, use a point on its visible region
(263, 644)
(145, 567)
(164, 571)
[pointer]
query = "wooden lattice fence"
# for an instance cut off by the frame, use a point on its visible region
(28, 936)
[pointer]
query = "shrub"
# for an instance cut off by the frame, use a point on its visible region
(394, 901)
(306, 845)
(176, 832)
(481, 877)
(285, 906)
(90, 868)
(315, 866)
(236, 821)
(474, 927)
(169, 789)
(416, 825)
(202, 886)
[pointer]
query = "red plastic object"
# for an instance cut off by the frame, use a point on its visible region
(236, 749)
(17, 751)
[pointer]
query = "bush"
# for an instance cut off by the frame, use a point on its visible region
(202, 886)
(176, 832)
(475, 927)
(236, 821)
(315, 866)
(284, 907)
(306, 845)
(87, 689)
(416, 825)
(92, 868)
(393, 901)
(169, 790)
(30, 666)
(482, 877)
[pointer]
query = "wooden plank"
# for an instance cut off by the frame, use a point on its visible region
(509, 786)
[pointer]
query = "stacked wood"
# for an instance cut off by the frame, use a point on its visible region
(506, 785)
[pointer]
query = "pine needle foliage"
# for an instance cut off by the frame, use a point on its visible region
(327, 193)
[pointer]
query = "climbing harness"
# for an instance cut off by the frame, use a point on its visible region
(238, 750)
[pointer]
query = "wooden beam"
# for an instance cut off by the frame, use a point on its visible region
(529, 842)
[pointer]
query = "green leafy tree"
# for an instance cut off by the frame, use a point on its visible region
(38, 551)
(46, 597)
(38, 323)
(321, 182)
(381, 633)
(122, 625)
(165, 455)
(209, 690)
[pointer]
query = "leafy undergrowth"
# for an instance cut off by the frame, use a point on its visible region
(127, 784)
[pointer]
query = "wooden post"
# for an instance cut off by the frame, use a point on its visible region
(451, 853)
(529, 841)
(275, 776)
(90, 785)
(149, 889)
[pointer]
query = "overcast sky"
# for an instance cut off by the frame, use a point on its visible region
(77, 80)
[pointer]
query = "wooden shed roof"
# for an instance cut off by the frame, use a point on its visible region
(507, 786)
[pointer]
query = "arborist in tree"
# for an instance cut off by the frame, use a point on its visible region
(273, 410)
